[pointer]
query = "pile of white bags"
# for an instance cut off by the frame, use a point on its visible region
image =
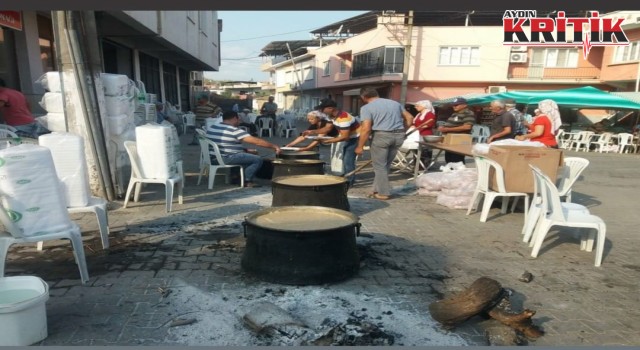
(30, 191)
(52, 102)
(453, 187)
(156, 151)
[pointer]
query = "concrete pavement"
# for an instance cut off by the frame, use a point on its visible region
(413, 252)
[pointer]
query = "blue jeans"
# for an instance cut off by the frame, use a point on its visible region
(250, 163)
(27, 130)
(349, 158)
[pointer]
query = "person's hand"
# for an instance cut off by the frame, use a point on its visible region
(490, 139)
(277, 149)
(520, 138)
(307, 133)
(359, 150)
(252, 151)
(441, 128)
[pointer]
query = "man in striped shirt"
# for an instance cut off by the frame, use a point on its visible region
(349, 132)
(229, 139)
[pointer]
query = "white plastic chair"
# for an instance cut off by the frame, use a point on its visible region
(407, 154)
(265, 124)
(484, 166)
(480, 133)
(16, 235)
(4, 133)
(625, 141)
(535, 210)
(553, 215)
(573, 167)
(137, 179)
(212, 169)
(602, 143)
(188, 121)
(583, 139)
(288, 127)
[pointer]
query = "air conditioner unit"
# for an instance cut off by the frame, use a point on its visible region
(496, 89)
(518, 49)
(518, 57)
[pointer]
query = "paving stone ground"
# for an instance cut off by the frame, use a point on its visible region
(413, 250)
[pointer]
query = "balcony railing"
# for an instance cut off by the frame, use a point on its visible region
(361, 71)
(586, 73)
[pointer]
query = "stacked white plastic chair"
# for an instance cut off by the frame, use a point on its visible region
(480, 133)
(69, 158)
(625, 143)
(32, 203)
(554, 215)
(265, 124)
(602, 143)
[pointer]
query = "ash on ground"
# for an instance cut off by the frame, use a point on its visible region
(328, 316)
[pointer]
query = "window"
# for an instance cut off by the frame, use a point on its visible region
(557, 58)
(184, 89)
(309, 73)
(343, 66)
(150, 73)
(627, 53)
(327, 68)
(383, 60)
(170, 83)
(459, 56)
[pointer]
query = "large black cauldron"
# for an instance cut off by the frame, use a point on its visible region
(294, 155)
(319, 190)
(301, 245)
(282, 167)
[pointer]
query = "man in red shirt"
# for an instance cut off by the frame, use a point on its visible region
(15, 111)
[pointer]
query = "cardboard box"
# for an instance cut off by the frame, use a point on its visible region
(457, 139)
(515, 161)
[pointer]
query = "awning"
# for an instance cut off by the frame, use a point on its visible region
(474, 95)
(352, 92)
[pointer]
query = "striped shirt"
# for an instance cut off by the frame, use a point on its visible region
(207, 110)
(227, 137)
(345, 121)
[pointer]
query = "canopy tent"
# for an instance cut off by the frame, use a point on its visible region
(583, 97)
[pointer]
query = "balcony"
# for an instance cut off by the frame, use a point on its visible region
(372, 70)
(547, 73)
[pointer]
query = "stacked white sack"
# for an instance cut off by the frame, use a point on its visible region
(51, 81)
(115, 84)
(53, 122)
(68, 155)
(155, 150)
(116, 105)
(30, 190)
(53, 102)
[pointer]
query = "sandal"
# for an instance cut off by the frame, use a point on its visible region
(378, 196)
(251, 184)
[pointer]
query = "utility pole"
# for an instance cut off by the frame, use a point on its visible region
(407, 59)
(293, 63)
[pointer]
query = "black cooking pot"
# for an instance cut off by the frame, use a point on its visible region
(320, 190)
(266, 170)
(293, 155)
(282, 167)
(301, 245)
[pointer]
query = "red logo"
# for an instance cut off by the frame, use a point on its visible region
(523, 27)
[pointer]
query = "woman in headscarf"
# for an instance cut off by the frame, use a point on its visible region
(542, 127)
(550, 109)
(425, 120)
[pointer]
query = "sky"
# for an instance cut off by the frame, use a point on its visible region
(245, 33)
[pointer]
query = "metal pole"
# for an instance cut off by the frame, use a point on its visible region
(293, 63)
(638, 77)
(407, 59)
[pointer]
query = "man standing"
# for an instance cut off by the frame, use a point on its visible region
(388, 120)
(521, 127)
(229, 139)
(460, 122)
(349, 133)
(269, 110)
(503, 125)
(15, 111)
(204, 109)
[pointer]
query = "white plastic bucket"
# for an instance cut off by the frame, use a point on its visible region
(23, 316)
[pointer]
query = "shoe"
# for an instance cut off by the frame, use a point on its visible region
(251, 184)
(378, 196)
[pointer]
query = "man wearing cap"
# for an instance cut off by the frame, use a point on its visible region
(388, 121)
(460, 122)
(349, 133)
(204, 109)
